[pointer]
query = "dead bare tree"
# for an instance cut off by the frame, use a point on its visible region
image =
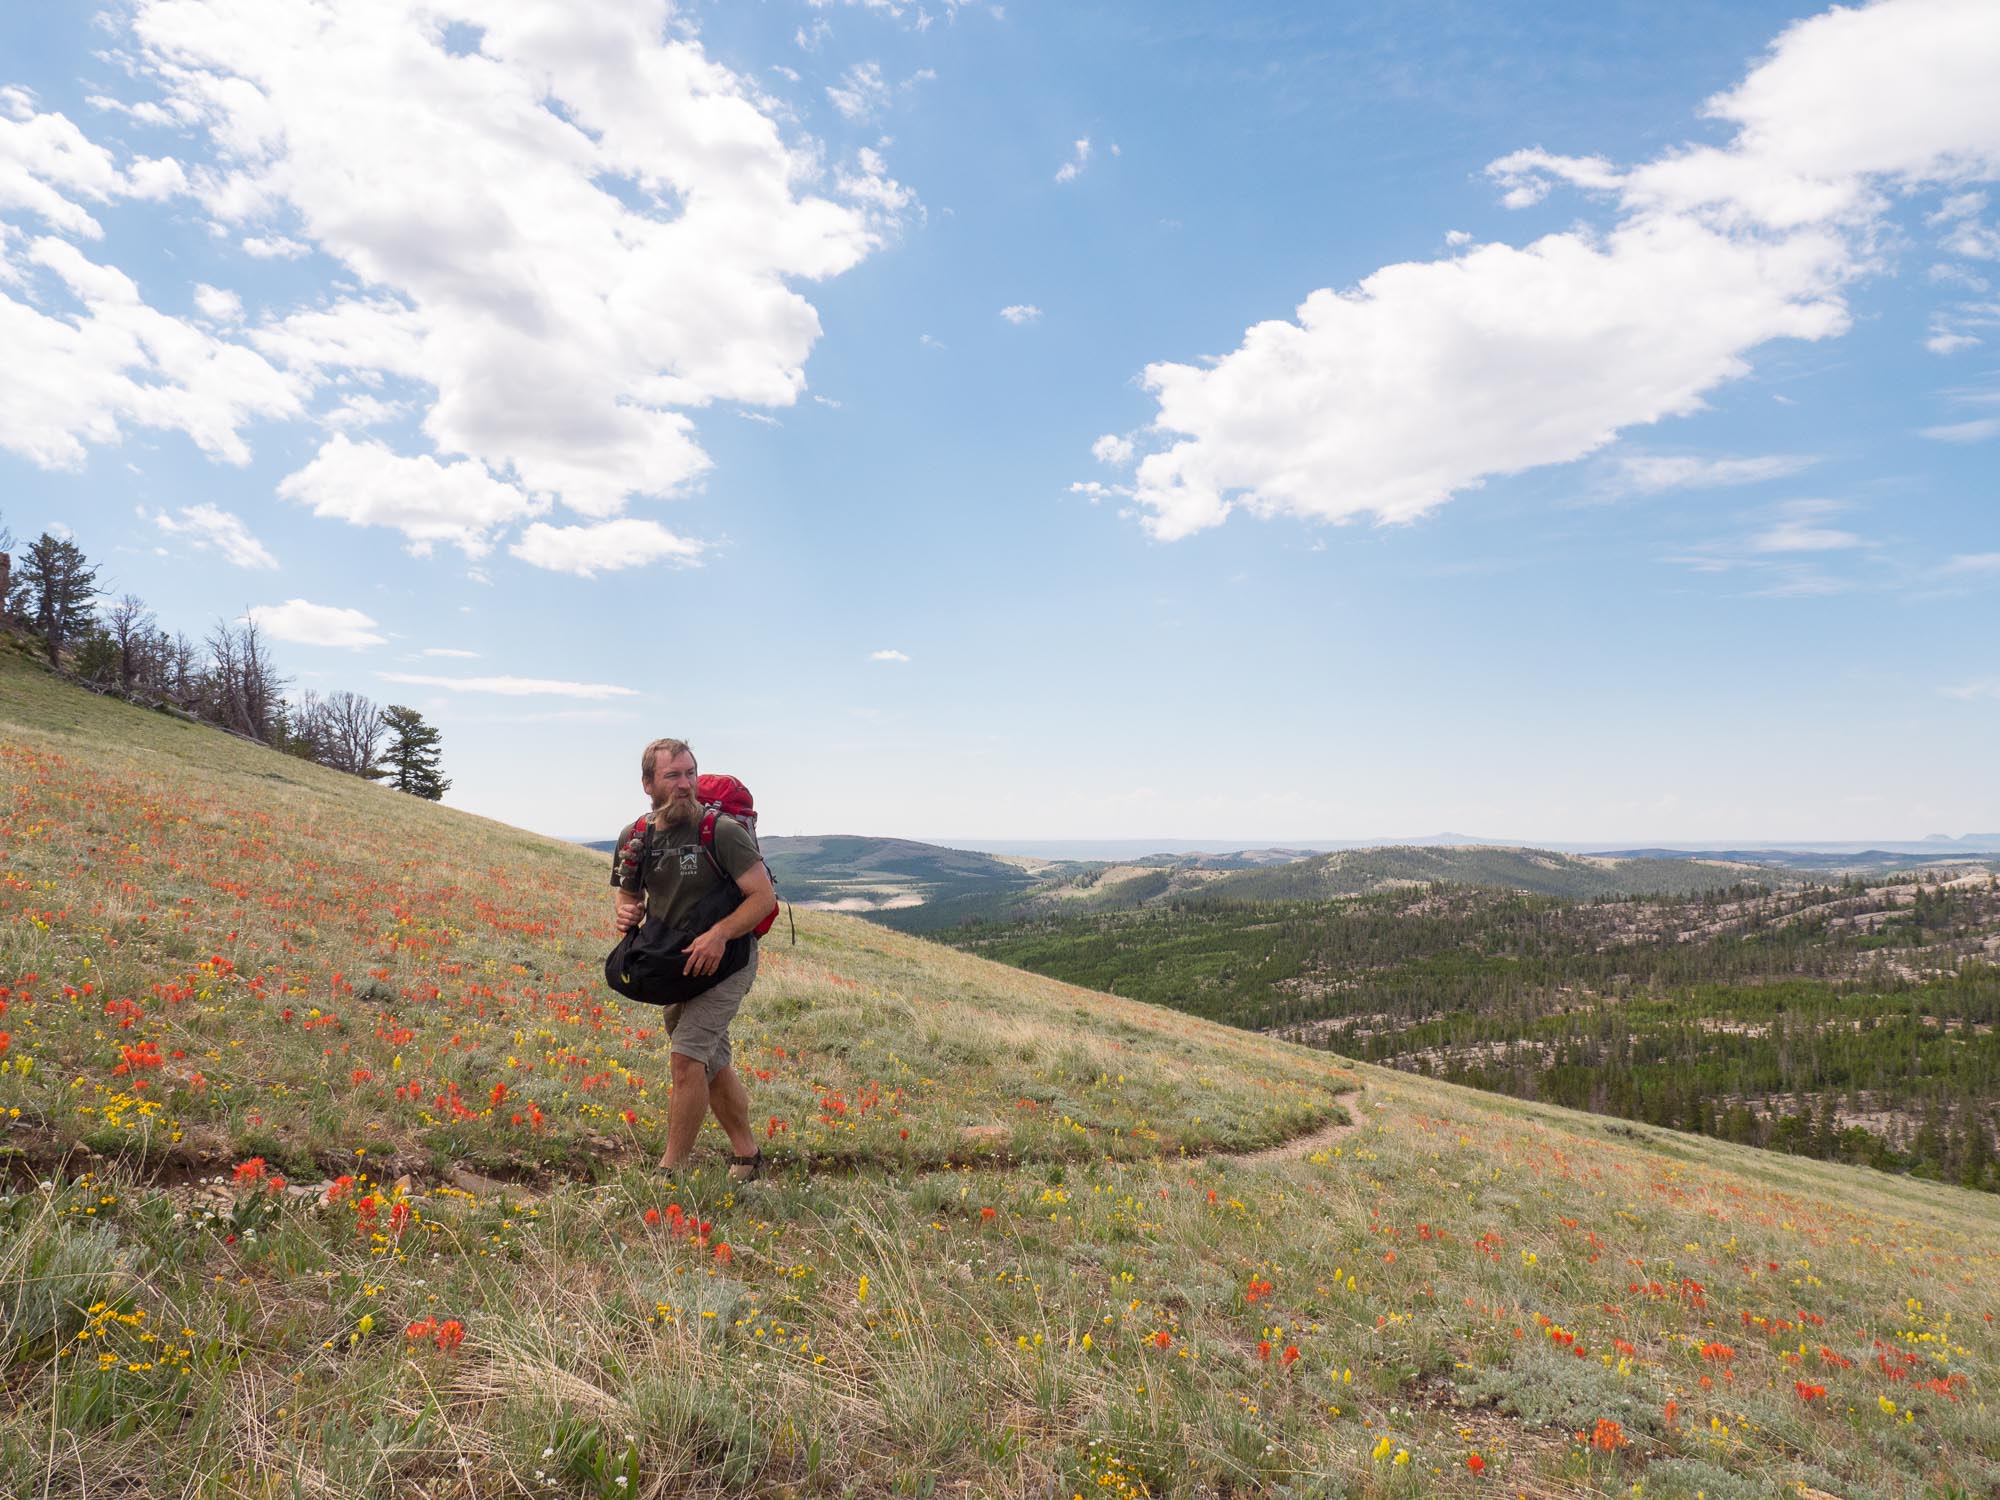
(130, 626)
(355, 733)
(241, 687)
(263, 688)
(180, 671)
(223, 699)
(309, 727)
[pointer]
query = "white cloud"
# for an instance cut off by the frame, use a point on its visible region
(1020, 312)
(1112, 449)
(571, 237)
(1427, 378)
(1964, 233)
(274, 247)
(451, 651)
(210, 526)
(861, 93)
(221, 305)
(1985, 687)
(1387, 398)
(1786, 557)
(932, 343)
(606, 547)
(47, 166)
(1651, 473)
(889, 655)
(1950, 343)
(1525, 177)
(107, 359)
(1797, 530)
(512, 687)
(309, 624)
(1976, 431)
(1974, 562)
(359, 411)
(1097, 493)
(1072, 169)
(1946, 273)
(368, 484)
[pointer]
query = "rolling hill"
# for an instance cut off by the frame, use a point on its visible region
(847, 873)
(1246, 879)
(1017, 1238)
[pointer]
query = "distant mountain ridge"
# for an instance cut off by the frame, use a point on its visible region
(1079, 888)
(924, 887)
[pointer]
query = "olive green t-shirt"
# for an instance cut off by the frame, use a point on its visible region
(679, 875)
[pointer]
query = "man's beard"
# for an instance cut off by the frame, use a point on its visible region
(676, 805)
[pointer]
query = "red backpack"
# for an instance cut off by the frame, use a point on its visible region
(720, 796)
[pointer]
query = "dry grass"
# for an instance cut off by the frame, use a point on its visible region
(1083, 1265)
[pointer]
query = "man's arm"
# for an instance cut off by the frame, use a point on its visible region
(629, 908)
(760, 898)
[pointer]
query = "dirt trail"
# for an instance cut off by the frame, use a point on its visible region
(1302, 1145)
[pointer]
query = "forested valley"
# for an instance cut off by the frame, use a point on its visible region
(1850, 1021)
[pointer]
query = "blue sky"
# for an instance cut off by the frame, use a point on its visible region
(1560, 422)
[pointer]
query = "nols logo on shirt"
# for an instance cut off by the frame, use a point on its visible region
(688, 855)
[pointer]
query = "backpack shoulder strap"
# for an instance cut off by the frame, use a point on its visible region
(708, 817)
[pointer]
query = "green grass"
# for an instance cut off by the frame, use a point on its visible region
(1013, 1242)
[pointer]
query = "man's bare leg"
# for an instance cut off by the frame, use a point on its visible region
(731, 1103)
(687, 1108)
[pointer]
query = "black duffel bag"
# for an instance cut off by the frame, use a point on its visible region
(649, 962)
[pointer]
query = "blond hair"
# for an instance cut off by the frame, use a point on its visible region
(671, 749)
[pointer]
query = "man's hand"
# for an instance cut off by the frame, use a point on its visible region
(705, 953)
(631, 911)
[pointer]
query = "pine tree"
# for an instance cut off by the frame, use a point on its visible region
(411, 760)
(59, 585)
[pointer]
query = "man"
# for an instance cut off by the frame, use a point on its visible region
(679, 875)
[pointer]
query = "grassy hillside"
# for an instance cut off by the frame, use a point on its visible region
(1852, 1022)
(1020, 1239)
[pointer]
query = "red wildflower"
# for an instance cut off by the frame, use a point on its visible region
(651, 1216)
(1291, 1354)
(1263, 1348)
(1609, 1436)
(1475, 1463)
(251, 1170)
(1808, 1392)
(1162, 1339)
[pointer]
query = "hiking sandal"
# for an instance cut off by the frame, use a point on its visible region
(746, 1168)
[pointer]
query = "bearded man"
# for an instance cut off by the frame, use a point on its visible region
(680, 874)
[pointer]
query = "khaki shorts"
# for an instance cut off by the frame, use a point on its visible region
(700, 1027)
